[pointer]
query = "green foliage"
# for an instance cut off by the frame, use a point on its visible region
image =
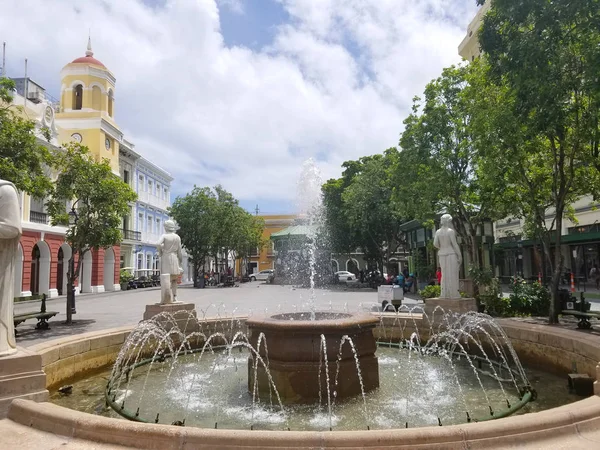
(211, 222)
(493, 300)
(24, 161)
(97, 196)
(544, 61)
(529, 299)
(438, 165)
(424, 271)
(359, 211)
(431, 291)
(125, 276)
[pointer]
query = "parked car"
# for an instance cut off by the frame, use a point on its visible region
(263, 275)
(343, 276)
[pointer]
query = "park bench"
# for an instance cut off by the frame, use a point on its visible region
(583, 317)
(577, 308)
(42, 316)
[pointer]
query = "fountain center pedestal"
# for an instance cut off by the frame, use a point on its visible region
(295, 355)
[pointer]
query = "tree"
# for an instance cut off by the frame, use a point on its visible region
(438, 149)
(195, 216)
(369, 209)
(24, 161)
(95, 198)
(211, 223)
(548, 56)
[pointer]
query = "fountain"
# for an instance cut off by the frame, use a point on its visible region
(303, 346)
(314, 359)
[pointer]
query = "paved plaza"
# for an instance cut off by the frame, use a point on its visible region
(115, 309)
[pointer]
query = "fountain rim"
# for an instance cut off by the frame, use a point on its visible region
(353, 321)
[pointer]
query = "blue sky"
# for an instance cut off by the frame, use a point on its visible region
(241, 92)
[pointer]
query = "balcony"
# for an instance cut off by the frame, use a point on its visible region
(153, 200)
(130, 235)
(38, 217)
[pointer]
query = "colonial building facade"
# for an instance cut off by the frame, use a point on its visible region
(86, 114)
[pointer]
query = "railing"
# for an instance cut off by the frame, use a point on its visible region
(38, 217)
(593, 228)
(132, 235)
(153, 200)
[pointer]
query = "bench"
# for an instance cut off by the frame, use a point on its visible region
(583, 317)
(41, 316)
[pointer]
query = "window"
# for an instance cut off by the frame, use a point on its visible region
(126, 176)
(140, 261)
(149, 230)
(150, 186)
(148, 261)
(166, 194)
(158, 225)
(141, 182)
(78, 97)
(158, 193)
(141, 222)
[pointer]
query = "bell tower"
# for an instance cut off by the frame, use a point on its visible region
(87, 107)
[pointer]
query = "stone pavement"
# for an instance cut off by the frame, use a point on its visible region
(114, 309)
(109, 310)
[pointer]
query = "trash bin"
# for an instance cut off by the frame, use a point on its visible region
(565, 299)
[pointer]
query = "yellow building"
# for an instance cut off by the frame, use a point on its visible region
(87, 108)
(262, 258)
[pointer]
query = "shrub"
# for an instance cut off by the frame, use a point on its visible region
(125, 276)
(529, 299)
(431, 291)
(495, 303)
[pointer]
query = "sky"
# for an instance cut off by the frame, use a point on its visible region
(241, 92)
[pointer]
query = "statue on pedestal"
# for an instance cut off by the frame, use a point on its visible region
(10, 232)
(169, 250)
(449, 257)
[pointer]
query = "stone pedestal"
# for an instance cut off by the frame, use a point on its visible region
(294, 345)
(454, 305)
(184, 313)
(21, 376)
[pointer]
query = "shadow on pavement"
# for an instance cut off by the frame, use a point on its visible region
(58, 328)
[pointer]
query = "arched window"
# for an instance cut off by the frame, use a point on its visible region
(110, 102)
(78, 97)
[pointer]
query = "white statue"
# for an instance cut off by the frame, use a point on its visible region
(10, 232)
(169, 250)
(449, 256)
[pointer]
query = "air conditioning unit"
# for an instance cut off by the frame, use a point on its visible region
(35, 96)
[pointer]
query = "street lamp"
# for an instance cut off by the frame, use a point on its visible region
(71, 288)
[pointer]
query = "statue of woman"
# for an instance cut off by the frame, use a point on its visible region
(449, 256)
(10, 232)
(169, 250)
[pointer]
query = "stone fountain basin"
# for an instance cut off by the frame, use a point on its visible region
(574, 426)
(296, 357)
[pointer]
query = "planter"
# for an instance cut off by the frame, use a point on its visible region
(124, 286)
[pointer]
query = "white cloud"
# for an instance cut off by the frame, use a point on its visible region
(336, 82)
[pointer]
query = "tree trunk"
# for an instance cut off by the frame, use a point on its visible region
(557, 269)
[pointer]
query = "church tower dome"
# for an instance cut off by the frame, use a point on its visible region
(87, 107)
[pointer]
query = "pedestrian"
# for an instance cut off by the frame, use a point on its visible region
(438, 276)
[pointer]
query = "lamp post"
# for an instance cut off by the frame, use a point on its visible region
(71, 288)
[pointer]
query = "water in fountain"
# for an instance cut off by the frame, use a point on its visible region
(184, 370)
(310, 207)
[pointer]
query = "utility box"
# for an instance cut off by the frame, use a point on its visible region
(390, 294)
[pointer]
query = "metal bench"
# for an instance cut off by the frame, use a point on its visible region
(583, 317)
(41, 316)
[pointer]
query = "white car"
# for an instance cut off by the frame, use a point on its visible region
(343, 276)
(263, 275)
